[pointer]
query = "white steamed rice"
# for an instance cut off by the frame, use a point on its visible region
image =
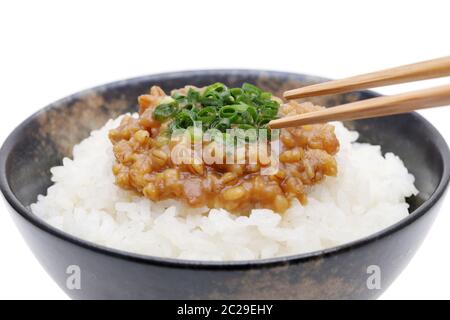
(367, 195)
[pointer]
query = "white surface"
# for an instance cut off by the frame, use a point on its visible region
(49, 49)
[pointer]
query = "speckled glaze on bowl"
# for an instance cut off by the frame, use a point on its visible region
(42, 140)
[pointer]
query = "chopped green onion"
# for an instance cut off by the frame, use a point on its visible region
(236, 92)
(244, 126)
(228, 112)
(165, 111)
(178, 96)
(249, 88)
(216, 87)
(253, 113)
(223, 125)
(206, 115)
(206, 101)
(193, 96)
(184, 119)
(219, 107)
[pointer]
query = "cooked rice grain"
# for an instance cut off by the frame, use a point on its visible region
(367, 195)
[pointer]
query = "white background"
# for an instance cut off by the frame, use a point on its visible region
(49, 49)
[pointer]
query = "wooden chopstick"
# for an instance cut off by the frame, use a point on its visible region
(412, 72)
(376, 107)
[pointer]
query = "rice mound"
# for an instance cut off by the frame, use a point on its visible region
(367, 195)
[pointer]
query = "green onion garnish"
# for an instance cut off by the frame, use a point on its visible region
(219, 107)
(165, 111)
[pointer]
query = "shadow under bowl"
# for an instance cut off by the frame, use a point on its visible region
(342, 272)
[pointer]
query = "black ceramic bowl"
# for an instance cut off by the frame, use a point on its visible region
(42, 140)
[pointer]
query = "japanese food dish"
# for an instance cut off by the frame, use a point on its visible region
(197, 174)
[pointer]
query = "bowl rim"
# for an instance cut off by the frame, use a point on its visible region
(39, 223)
